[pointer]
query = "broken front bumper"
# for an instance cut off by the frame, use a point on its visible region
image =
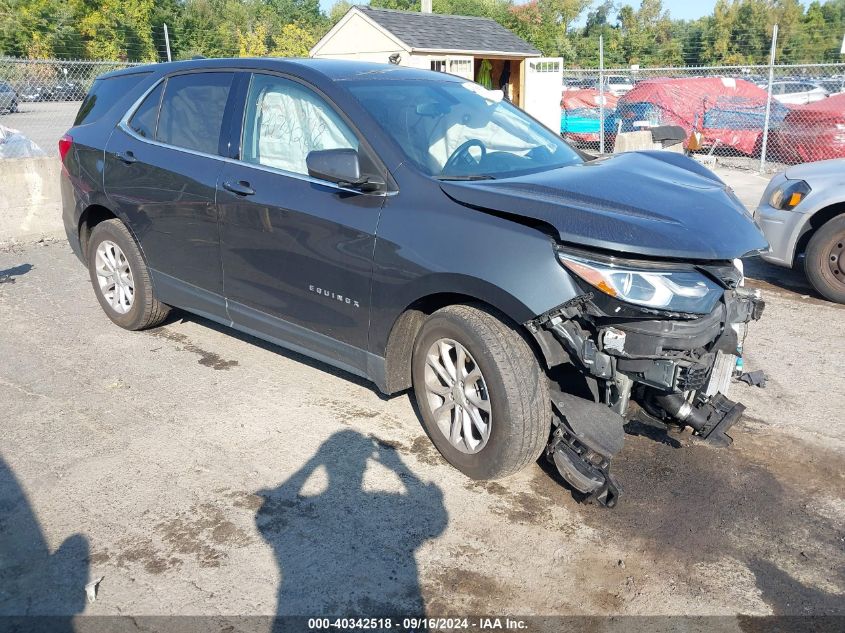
(675, 367)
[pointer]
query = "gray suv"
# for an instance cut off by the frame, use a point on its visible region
(418, 230)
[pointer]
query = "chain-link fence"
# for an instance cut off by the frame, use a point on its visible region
(725, 112)
(39, 100)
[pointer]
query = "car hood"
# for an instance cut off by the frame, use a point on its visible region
(833, 170)
(659, 204)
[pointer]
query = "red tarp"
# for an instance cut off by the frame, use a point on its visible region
(587, 98)
(581, 114)
(730, 111)
(811, 132)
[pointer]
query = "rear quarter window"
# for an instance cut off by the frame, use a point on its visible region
(104, 94)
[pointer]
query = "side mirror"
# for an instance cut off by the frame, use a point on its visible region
(334, 165)
(340, 166)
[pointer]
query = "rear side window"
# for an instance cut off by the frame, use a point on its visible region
(146, 116)
(104, 94)
(192, 108)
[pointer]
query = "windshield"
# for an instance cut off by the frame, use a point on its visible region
(454, 130)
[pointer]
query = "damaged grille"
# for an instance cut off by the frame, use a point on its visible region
(692, 377)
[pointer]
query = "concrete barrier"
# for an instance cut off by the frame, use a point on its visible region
(640, 140)
(30, 199)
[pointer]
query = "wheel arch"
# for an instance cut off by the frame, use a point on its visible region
(813, 224)
(398, 350)
(90, 217)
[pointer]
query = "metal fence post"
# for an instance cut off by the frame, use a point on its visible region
(601, 94)
(167, 42)
(769, 100)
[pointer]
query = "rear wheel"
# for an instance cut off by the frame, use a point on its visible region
(482, 395)
(824, 263)
(121, 278)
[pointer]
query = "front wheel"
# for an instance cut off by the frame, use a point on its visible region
(482, 395)
(824, 263)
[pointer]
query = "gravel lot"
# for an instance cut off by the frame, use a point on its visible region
(201, 472)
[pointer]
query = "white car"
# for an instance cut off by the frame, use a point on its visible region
(618, 84)
(797, 92)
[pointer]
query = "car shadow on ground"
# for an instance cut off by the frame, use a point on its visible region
(177, 316)
(33, 580)
(764, 507)
(760, 273)
(343, 547)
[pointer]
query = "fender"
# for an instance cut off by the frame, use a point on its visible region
(477, 256)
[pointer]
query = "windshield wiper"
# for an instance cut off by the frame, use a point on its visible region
(471, 177)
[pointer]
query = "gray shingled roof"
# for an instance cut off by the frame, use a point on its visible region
(449, 32)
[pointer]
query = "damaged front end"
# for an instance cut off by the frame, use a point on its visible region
(645, 339)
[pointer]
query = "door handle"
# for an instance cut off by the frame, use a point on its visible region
(240, 188)
(126, 157)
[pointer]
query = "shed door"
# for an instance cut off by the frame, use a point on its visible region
(543, 90)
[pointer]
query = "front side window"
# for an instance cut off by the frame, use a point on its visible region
(146, 116)
(192, 110)
(459, 129)
(284, 121)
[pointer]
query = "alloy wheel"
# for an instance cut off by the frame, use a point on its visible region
(457, 395)
(114, 276)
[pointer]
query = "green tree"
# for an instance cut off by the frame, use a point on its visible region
(547, 24)
(118, 29)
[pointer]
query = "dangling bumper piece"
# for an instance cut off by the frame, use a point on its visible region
(586, 437)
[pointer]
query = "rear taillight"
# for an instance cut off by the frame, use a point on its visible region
(65, 143)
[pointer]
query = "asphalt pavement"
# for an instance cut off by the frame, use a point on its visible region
(43, 123)
(199, 471)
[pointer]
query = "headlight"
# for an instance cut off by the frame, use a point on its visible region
(659, 287)
(789, 195)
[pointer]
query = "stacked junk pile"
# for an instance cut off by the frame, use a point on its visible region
(715, 112)
(711, 114)
(811, 132)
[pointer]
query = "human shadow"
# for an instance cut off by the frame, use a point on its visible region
(39, 590)
(343, 547)
(8, 275)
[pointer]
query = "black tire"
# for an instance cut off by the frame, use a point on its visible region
(518, 391)
(146, 311)
(824, 263)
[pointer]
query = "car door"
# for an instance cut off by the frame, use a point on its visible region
(162, 163)
(297, 251)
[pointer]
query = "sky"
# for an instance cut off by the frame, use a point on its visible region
(688, 9)
(679, 9)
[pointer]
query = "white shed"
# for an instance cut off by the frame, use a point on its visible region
(455, 44)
